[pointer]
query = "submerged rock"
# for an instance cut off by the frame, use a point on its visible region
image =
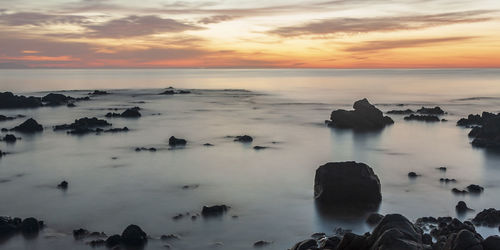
(243, 138)
(10, 101)
(86, 125)
(431, 111)
(365, 116)
(262, 243)
(29, 126)
(425, 118)
(348, 185)
(172, 141)
(133, 236)
(10, 138)
(216, 210)
(260, 147)
(63, 185)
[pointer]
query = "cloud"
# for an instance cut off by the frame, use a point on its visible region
(39, 19)
(381, 24)
(137, 26)
(408, 43)
(216, 19)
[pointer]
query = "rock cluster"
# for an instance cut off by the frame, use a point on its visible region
(365, 116)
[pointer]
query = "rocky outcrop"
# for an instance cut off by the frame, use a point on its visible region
(488, 217)
(10, 101)
(99, 92)
(401, 112)
(133, 236)
(347, 185)
(172, 141)
(475, 120)
(128, 113)
(431, 111)
(365, 116)
(29, 126)
(56, 99)
(87, 125)
(216, 210)
(424, 118)
(244, 138)
(487, 133)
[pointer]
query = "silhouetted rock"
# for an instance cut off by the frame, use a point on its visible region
(208, 145)
(80, 234)
(487, 135)
(262, 243)
(347, 184)
(184, 92)
(31, 226)
(216, 210)
(56, 99)
(99, 92)
(464, 239)
(401, 112)
(473, 188)
(396, 232)
(374, 218)
(63, 185)
(442, 169)
(488, 217)
(458, 191)
(132, 113)
(461, 207)
(8, 227)
(145, 149)
(431, 111)
(475, 120)
(133, 236)
(243, 138)
(10, 138)
(425, 118)
(167, 92)
(116, 130)
(9, 101)
(365, 116)
(259, 147)
(6, 118)
(492, 243)
(113, 241)
(83, 126)
(446, 180)
(413, 175)
(172, 141)
(305, 245)
(29, 126)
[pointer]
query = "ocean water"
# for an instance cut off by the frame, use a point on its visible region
(270, 191)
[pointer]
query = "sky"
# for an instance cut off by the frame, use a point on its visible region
(249, 34)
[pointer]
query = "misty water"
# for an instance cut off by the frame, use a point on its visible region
(270, 191)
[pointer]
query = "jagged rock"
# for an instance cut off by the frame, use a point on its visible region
(243, 138)
(488, 134)
(465, 240)
(425, 118)
(431, 111)
(401, 112)
(396, 232)
(172, 141)
(56, 99)
(488, 217)
(365, 116)
(10, 101)
(374, 218)
(473, 188)
(348, 185)
(29, 126)
(477, 120)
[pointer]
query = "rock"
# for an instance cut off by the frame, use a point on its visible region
(172, 141)
(133, 236)
(10, 101)
(473, 188)
(6, 118)
(329, 243)
(348, 185)
(99, 92)
(401, 112)
(63, 185)
(352, 241)
(488, 217)
(259, 147)
(475, 119)
(425, 118)
(113, 241)
(305, 245)
(488, 134)
(244, 138)
(131, 113)
(184, 92)
(30, 226)
(427, 239)
(170, 237)
(116, 130)
(10, 138)
(216, 210)
(431, 111)
(262, 243)
(208, 145)
(492, 243)
(457, 191)
(85, 125)
(167, 92)
(413, 175)
(365, 116)
(29, 126)
(8, 227)
(396, 232)
(80, 234)
(465, 240)
(71, 105)
(461, 207)
(446, 180)
(374, 218)
(97, 243)
(56, 99)
(443, 169)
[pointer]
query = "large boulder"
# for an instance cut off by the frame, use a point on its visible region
(464, 240)
(29, 126)
(133, 236)
(396, 232)
(347, 185)
(9, 100)
(492, 243)
(365, 116)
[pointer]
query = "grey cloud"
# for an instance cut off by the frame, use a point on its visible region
(38, 19)
(216, 19)
(370, 46)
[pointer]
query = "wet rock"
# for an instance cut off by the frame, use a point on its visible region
(56, 99)
(413, 175)
(29, 126)
(488, 217)
(492, 243)
(10, 138)
(133, 236)
(172, 141)
(63, 185)
(401, 112)
(425, 118)
(374, 218)
(113, 241)
(216, 210)
(461, 207)
(329, 243)
(464, 239)
(396, 232)
(262, 243)
(30, 226)
(10, 101)
(348, 185)
(365, 116)
(352, 241)
(318, 235)
(244, 138)
(305, 245)
(473, 188)
(431, 111)
(427, 239)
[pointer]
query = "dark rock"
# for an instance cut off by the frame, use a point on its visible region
(427, 239)
(63, 185)
(116, 130)
(401, 112)
(318, 235)
(170, 237)
(71, 105)
(259, 147)
(348, 185)
(113, 241)
(10, 138)
(29, 126)
(446, 180)
(30, 226)
(80, 234)
(431, 111)
(457, 191)
(365, 116)
(99, 92)
(244, 138)
(477, 120)
(488, 134)
(492, 243)
(352, 241)
(374, 218)
(83, 123)
(133, 236)
(131, 113)
(262, 243)
(8, 227)
(330, 242)
(442, 169)
(208, 145)
(473, 188)
(413, 175)
(56, 99)
(461, 207)
(464, 239)
(167, 92)
(425, 118)
(6, 118)
(172, 141)
(9, 101)
(216, 210)
(184, 92)
(488, 217)
(97, 243)
(396, 232)
(305, 245)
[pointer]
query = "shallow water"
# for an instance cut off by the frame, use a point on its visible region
(269, 190)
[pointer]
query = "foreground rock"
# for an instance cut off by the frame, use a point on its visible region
(10, 101)
(365, 116)
(347, 185)
(425, 118)
(29, 126)
(488, 217)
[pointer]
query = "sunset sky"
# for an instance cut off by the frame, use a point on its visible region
(249, 34)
